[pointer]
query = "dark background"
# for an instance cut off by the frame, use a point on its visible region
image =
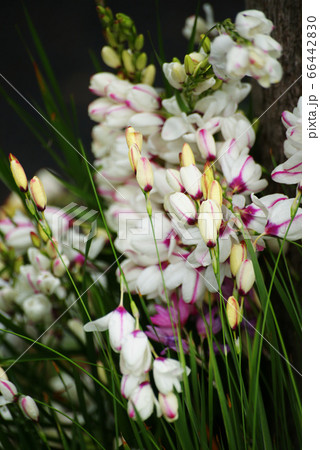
(68, 30)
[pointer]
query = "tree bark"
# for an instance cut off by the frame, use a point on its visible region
(286, 16)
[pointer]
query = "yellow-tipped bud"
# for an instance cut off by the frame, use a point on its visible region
(110, 57)
(41, 231)
(133, 138)
(215, 192)
(209, 222)
(237, 255)
(18, 173)
(206, 179)
(233, 312)
(36, 241)
(102, 373)
(148, 75)
(188, 65)
(38, 193)
(144, 174)
(50, 249)
(206, 43)
(186, 156)
(134, 157)
(128, 61)
(141, 61)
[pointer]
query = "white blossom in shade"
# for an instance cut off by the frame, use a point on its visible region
(142, 401)
(17, 232)
(135, 355)
(38, 260)
(202, 26)
(245, 277)
(251, 22)
(268, 45)
(167, 374)
(129, 383)
(183, 208)
(220, 48)
(119, 323)
(239, 128)
(175, 74)
(143, 98)
(98, 109)
(237, 62)
(169, 406)
(8, 390)
(29, 407)
(289, 172)
(47, 283)
(146, 123)
(191, 179)
(37, 308)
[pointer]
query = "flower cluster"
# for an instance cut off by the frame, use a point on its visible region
(136, 360)
(183, 195)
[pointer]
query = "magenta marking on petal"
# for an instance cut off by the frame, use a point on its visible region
(8, 387)
(285, 119)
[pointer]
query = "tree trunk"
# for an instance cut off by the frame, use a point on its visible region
(286, 16)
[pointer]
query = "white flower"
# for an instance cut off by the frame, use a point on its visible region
(169, 406)
(237, 62)
(191, 180)
(183, 208)
(129, 383)
(119, 323)
(59, 267)
(245, 277)
(143, 98)
(175, 74)
(142, 401)
(37, 308)
(167, 374)
(135, 355)
(251, 22)
(206, 144)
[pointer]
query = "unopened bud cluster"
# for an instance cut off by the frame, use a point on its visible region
(124, 50)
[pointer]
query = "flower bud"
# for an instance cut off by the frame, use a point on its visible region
(175, 74)
(169, 406)
(188, 65)
(18, 173)
(128, 61)
(41, 231)
(102, 373)
(209, 222)
(29, 407)
(139, 42)
(245, 277)
(141, 401)
(206, 180)
(51, 248)
(38, 193)
(237, 255)
(8, 390)
(58, 268)
(215, 192)
(148, 75)
(38, 260)
(144, 174)
(206, 144)
(110, 57)
(36, 241)
(191, 179)
(174, 180)
(186, 156)
(141, 61)
(134, 157)
(184, 208)
(3, 374)
(135, 355)
(233, 312)
(205, 43)
(134, 137)
(119, 323)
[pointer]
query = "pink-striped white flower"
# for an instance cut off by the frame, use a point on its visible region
(129, 383)
(183, 207)
(8, 390)
(245, 277)
(167, 374)
(135, 355)
(289, 172)
(169, 406)
(191, 180)
(206, 144)
(209, 221)
(143, 98)
(100, 81)
(174, 180)
(142, 402)
(119, 323)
